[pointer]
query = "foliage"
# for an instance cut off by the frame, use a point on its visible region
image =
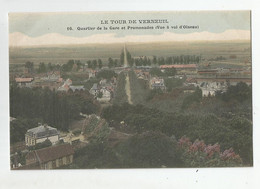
(113, 63)
(19, 126)
(30, 66)
(206, 127)
(181, 59)
(239, 93)
(55, 109)
(100, 63)
(156, 72)
(198, 154)
(120, 93)
(138, 89)
(172, 83)
(106, 74)
(68, 66)
(170, 71)
(154, 92)
(194, 97)
(95, 155)
(45, 144)
(42, 68)
(90, 82)
(149, 149)
(18, 157)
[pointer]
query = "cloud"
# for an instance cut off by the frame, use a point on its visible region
(17, 39)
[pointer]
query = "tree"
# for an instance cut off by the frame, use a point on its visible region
(42, 68)
(100, 94)
(239, 93)
(68, 66)
(150, 149)
(156, 72)
(94, 64)
(198, 154)
(45, 144)
(89, 64)
(106, 74)
(194, 97)
(100, 64)
(50, 67)
(122, 58)
(154, 60)
(30, 66)
(170, 71)
(110, 62)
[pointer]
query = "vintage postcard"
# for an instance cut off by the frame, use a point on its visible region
(130, 90)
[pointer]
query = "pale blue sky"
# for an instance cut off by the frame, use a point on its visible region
(37, 24)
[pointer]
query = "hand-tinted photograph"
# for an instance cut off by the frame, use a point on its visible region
(106, 90)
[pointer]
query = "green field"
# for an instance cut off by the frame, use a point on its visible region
(61, 54)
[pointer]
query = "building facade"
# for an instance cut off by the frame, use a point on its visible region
(50, 157)
(40, 134)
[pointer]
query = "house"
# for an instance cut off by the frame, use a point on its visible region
(91, 73)
(209, 88)
(66, 85)
(24, 82)
(191, 82)
(94, 89)
(103, 82)
(50, 157)
(180, 66)
(77, 88)
(40, 134)
(52, 76)
(157, 83)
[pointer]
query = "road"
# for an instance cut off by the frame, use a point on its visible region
(127, 85)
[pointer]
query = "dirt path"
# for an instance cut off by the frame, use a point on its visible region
(127, 85)
(127, 89)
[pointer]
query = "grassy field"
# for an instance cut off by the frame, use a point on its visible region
(61, 54)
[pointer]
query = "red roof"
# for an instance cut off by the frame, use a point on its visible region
(52, 153)
(20, 80)
(179, 66)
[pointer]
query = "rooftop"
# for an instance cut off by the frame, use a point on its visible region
(179, 66)
(20, 80)
(52, 153)
(42, 131)
(74, 88)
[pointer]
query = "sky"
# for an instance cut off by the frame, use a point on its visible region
(26, 29)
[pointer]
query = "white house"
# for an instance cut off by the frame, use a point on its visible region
(157, 83)
(94, 89)
(40, 134)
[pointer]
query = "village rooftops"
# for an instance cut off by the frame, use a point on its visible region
(79, 88)
(23, 80)
(42, 131)
(179, 66)
(95, 86)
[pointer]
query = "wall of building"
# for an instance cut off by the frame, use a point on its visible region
(53, 139)
(29, 141)
(57, 162)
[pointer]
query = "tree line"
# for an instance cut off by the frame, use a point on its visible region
(51, 107)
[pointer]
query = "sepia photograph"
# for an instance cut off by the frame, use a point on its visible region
(126, 90)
